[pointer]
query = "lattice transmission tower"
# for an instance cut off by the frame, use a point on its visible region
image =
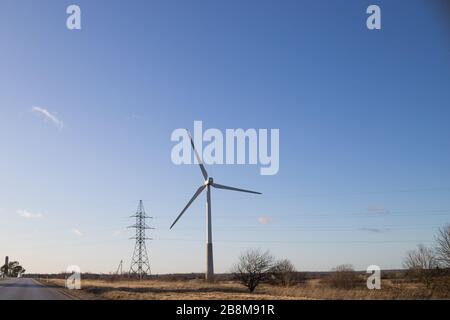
(120, 268)
(140, 265)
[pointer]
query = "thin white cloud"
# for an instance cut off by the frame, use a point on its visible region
(377, 209)
(117, 233)
(264, 220)
(47, 115)
(77, 232)
(28, 215)
(135, 116)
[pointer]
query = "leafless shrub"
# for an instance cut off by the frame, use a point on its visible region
(343, 277)
(283, 272)
(252, 268)
(443, 246)
(422, 265)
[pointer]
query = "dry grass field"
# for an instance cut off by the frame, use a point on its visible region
(229, 290)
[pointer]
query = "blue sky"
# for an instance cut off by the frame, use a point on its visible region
(363, 118)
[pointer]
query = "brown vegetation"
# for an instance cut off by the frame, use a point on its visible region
(315, 287)
(283, 273)
(431, 266)
(343, 277)
(229, 290)
(253, 267)
(443, 246)
(427, 276)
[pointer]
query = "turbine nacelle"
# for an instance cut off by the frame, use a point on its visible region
(209, 181)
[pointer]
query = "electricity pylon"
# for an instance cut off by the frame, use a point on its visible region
(140, 265)
(119, 268)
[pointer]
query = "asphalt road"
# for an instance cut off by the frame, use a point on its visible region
(28, 289)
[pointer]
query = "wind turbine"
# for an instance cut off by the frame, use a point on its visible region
(207, 184)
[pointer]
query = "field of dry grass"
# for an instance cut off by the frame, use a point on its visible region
(228, 290)
(166, 290)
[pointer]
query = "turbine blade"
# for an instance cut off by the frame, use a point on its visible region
(200, 162)
(197, 193)
(219, 186)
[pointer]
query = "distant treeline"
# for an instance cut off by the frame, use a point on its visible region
(308, 275)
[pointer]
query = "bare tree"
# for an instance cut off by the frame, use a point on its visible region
(422, 258)
(421, 263)
(252, 268)
(14, 269)
(443, 246)
(283, 272)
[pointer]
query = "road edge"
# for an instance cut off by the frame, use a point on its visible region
(59, 289)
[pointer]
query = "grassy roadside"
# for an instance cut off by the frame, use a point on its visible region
(60, 286)
(229, 290)
(166, 290)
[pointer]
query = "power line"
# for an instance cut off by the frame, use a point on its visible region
(266, 228)
(353, 214)
(305, 242)
(411, 190)
(328, 242)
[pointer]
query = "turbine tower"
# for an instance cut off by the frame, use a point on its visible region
(207, 184)
(140, 265)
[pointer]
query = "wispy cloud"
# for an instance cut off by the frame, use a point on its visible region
(135, 116)
(374, 230)
(48, 116)
(117, 233)
(264, 220)
(28, 215)
(76, 232)
(377, 210)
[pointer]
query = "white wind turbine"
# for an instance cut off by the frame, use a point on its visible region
(207, 184)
